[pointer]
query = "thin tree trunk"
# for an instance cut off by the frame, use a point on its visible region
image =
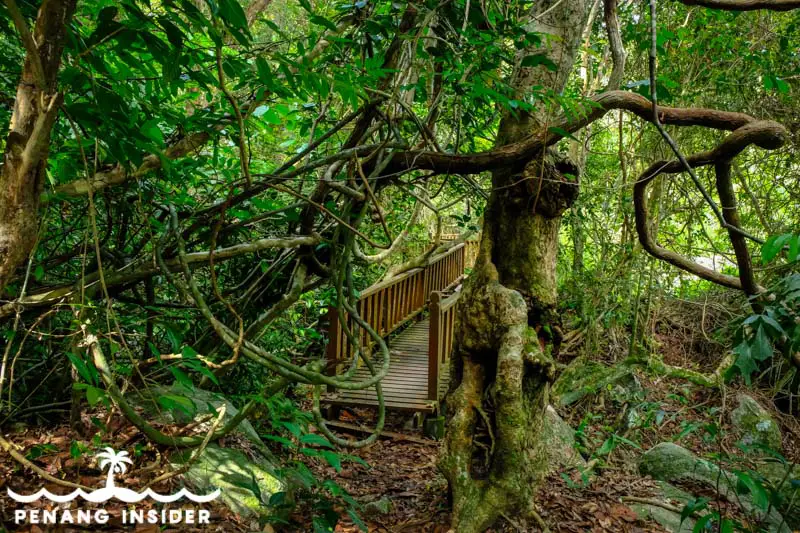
(27, 145)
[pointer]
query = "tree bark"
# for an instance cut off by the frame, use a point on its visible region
(507, 321)
(35, 110)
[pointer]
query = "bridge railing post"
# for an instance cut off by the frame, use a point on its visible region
(434, 333)
(333, 354)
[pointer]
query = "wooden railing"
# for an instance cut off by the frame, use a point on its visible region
(471, 247)
(440, 339)
(387, 305)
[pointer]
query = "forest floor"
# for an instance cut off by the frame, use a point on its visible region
(405, 472)
(402, 471)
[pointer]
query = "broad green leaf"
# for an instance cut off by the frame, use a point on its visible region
(177, 403)
(562, 132)
(744, 361)
(539, 59)
(233, 14)
(151, 130)
(761, 347)
(316, 439)
(322, 21)
(94, 395)
(333, 459)
(746, 484)
(773, 246)
(181, 377)
(794, 248)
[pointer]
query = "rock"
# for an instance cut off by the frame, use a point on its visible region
(669, 462)
(378, 507)
(669, 520)
(672, 463)
(200, 403)
(559, 441)
(245, 486)
(785, 479)
(755, 424)
(582, 378)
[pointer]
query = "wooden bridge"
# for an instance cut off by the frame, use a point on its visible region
(419, 353)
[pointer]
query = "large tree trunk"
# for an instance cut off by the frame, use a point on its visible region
(508, 328)
(35, 110)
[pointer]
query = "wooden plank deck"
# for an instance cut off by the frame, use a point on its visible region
(405, 387)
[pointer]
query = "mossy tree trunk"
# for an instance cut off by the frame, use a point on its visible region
(508, 327)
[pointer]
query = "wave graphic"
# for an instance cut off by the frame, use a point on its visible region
(106, 493)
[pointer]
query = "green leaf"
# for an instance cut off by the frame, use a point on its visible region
(80, 367)
(177, 403)
(181, 377)
(693, 506)
(207, 373)
(773, 324)
(94, 395)
(310, 452)
(322, 21)
(333, 459)
(151, 130)
(316, 439)
(773, 246)
(746, 484)
(293, 428)
(75, 449)
(539, 59)
(744, 361)
(233, 14)
(38, 450)
(794, 248)
(702, 523)
(761, 348)
(562, 132)
(357, 520)
(607, 447)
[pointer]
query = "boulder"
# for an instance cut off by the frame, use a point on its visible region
(245, 485)
(382, 506)
(785, 480)
(666, 518)
(191, 404)
(559, 441)
(672, 463)
(754, 424)
(582, 378)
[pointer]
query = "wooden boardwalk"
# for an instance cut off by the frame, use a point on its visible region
(405, 387)
(419, 349)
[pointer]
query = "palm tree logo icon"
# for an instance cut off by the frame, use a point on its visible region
(115, 461)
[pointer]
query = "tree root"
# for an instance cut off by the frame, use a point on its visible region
(656, 366)
(24, 461)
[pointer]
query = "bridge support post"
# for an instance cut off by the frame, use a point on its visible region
(334, 343)
(434, 332)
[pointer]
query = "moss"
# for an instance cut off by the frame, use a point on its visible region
(582, 378)
(755, 424)
(245, 487)
(669, 462)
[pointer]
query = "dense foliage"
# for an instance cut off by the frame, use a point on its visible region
(215, 175)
